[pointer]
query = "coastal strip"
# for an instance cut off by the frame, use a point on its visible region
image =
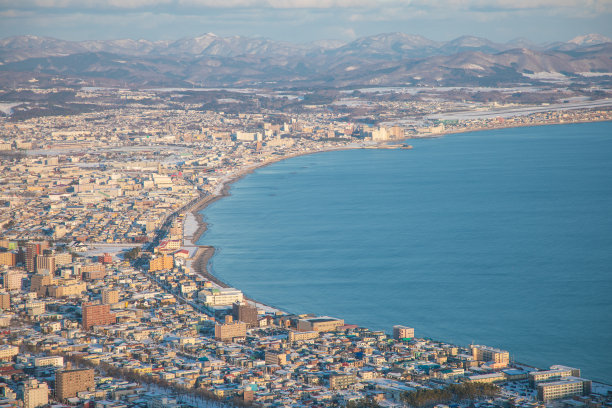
(204, 253)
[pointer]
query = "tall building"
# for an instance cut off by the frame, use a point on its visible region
(5, 301)
(45, 263)
(33, 249)
(69, 382)
(246, 313)
(97, 315)
(160, 263)
(402, 332)
(34, 394)
(110, 297)
(12, 280)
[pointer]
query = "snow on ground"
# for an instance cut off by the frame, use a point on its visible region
(7, 107)
(113, 249)
(190, 226)
(520, 111)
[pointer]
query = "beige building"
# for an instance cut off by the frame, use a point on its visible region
(34, 394)
(69, 382)
(485, 353)
(275, 358)
(566, 387)
(110, 297)
(7, 352)
(5, 301)
(302, 336)
(160, 263)
(403, 332)
(341, 381)
(8, 258)
(71, 288)
(230, 330)
(40, 282)
(45, 264)
(548, 375)
(12, 280)
(319, 324)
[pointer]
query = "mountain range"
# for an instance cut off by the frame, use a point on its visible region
(384, 59)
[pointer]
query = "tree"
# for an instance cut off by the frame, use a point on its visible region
(132, 254)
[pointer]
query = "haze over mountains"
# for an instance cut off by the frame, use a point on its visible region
(384, 59)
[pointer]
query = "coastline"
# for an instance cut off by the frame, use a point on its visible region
(204, 253)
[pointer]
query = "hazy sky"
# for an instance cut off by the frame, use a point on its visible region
(306, 20)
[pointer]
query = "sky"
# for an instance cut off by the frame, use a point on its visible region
(301, 21)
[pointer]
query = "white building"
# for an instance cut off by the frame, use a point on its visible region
(220, 296)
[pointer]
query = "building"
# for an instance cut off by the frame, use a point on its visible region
(160, 263)
(275, 358)
(45, 263)
(110, 297)
(34, 394)
(220, 296)
(566, 387)
(33, 249)
(8, 258)
(93, 272)
(246, 313)
(319, 324)
(302, 336)
(487, 378)
(97, 315)
(35, 308)
(403, 332)
(550, 375)
(485, 353)
(5, 301)
(341, 381)
(105, 259)
(40, 282)
(7, 352)
(69, 382)
(230, 330)
(69, 288)
(49, 361)
(12, 280)
(63, 258)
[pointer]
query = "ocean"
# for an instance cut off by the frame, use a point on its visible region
(500, 237)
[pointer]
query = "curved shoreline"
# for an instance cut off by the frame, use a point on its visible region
(204, 253)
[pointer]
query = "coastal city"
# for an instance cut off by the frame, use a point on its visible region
(107, 300)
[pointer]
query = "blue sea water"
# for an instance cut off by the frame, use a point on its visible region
(501, 238)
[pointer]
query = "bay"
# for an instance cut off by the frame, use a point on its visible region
(500, 237)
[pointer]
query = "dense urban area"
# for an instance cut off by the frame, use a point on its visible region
(106, 300)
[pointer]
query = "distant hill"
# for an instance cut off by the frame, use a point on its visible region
(383, 59)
